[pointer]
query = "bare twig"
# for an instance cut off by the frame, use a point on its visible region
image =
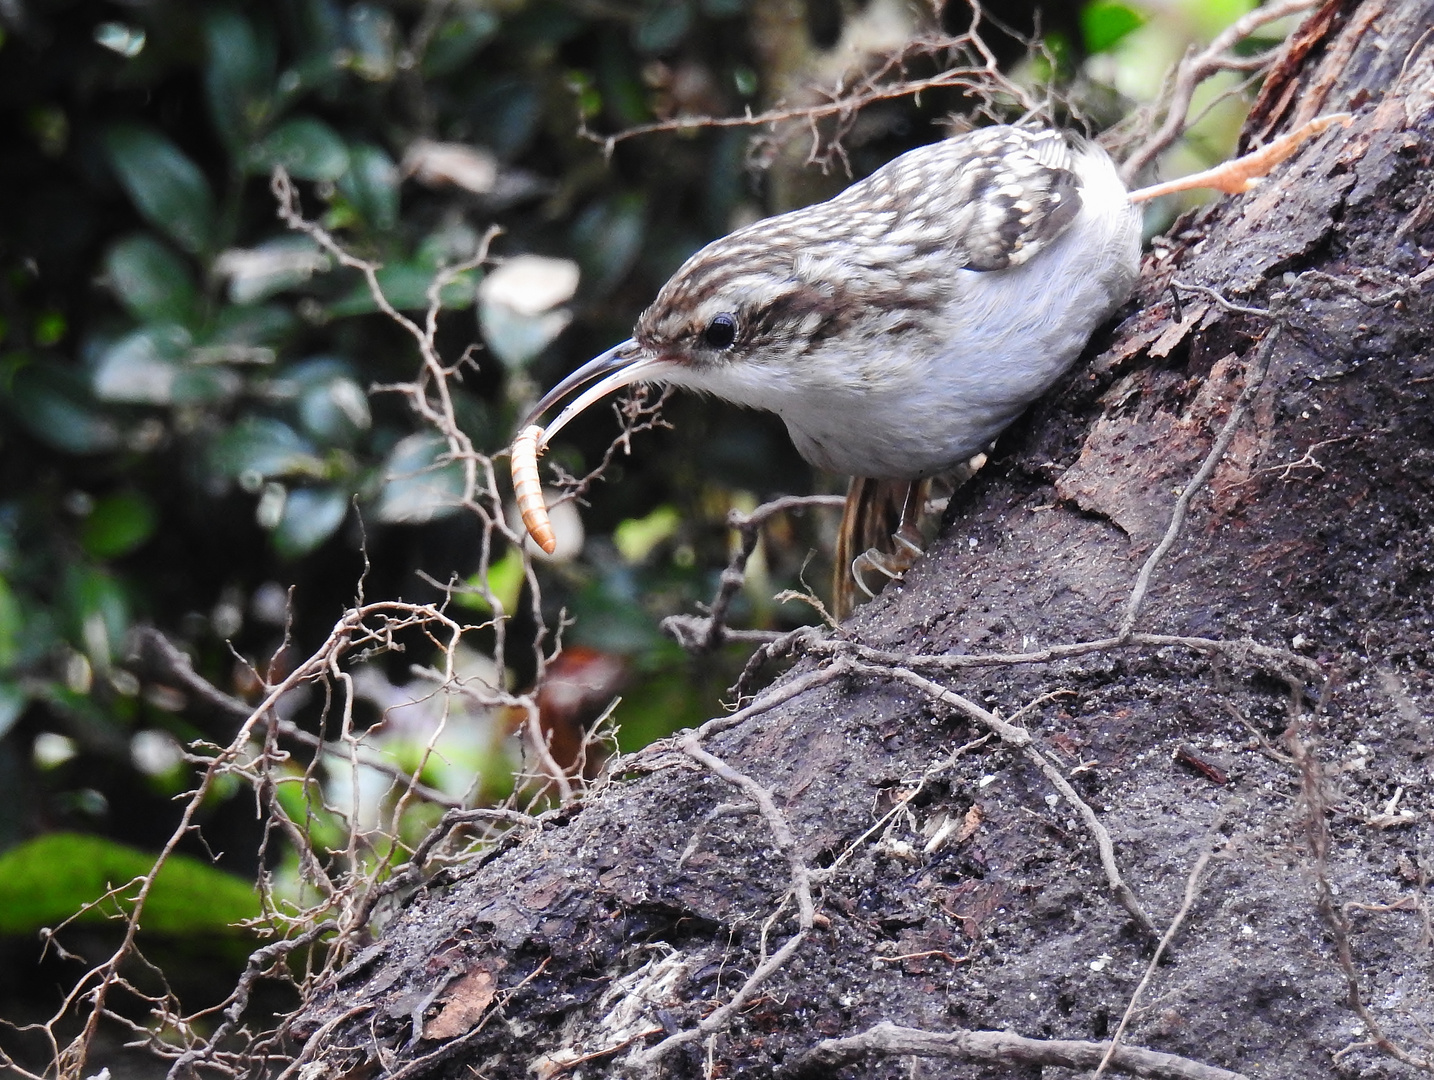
(1021, 739)
(1244, 652)
(1254, 378)
(966, 63)
(635, 414)
(1195, 68)
(801, 891)
(701, 635)
(1316, 806)
(1192, 891)
(838, 669)
(793, 642)
(174, 664)
(1004, 1048)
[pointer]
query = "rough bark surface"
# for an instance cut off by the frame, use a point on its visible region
(981, 903)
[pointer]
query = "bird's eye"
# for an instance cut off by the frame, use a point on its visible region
(721, 332)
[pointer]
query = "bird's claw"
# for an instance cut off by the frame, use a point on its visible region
(906, 541)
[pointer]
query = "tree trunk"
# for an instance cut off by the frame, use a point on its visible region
(1265, 721)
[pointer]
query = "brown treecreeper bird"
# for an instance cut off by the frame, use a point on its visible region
(900, 326)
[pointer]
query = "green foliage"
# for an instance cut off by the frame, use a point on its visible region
(304, 146)
(151, 281)
(49, 879)
(164, 184)
(188, 423)
(1107, 21)
(117, 525)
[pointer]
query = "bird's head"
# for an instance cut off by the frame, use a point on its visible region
(737, 317)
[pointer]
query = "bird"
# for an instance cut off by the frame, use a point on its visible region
(899, 327)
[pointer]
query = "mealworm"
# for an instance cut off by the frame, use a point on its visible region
(528, 488)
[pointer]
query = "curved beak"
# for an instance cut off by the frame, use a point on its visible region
(620, 366)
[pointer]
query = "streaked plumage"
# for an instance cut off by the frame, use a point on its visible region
(900, 326)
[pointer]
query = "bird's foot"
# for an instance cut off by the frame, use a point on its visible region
(906, 543)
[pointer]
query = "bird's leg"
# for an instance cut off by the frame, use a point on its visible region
(906, 541)
(1243, 173)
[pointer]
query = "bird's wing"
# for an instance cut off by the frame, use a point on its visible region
(1015, 192)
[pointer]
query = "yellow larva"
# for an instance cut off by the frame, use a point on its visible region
(528, 488)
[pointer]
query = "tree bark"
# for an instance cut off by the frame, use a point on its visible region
(1263, 718)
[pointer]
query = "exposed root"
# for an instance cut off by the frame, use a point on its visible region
(1003, 1048)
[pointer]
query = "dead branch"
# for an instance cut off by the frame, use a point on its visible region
(1002, 1048)
(970, 65)
(635, 414)
(170, 662)
(1192, 891)
(367, 626)
(1241, 652)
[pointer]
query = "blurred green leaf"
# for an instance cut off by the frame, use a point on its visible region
(151, 281)
(305, 146)
(505, 581)
(302, 801)
(204, 384)
(311, 516)
(50, 126)
(279, 263)
(117, 525)
(164, 184)
(624, 93)
(11, 627)
(507, 114)
(515, 338)
(265, 324)
(1212, 16)
(97, 610)
(373, 35)
(1060, 59)
(656, 705)
(13, 700)
(418, 485)
(127, 41)
(609, 237)
(47, 880)
(335, 410)
(321, 35)
(50, 327)
(405, 285)
(636, 537)
(458, 39)
(452, 242)
(54, 404)
(142, 366)
(238, 76)
(371, 184)
(1105, 22)
(264, 447)
(520, 306)
(609, 615)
